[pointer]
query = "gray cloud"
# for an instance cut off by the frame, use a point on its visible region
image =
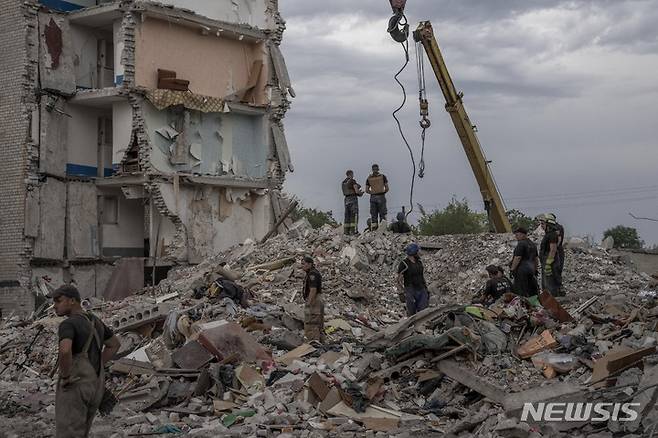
(563, 94)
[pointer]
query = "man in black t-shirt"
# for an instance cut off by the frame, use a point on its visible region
(411, 280)
(497, 286)
(85, 344)
(400, 226)
(525, 265)
(314, 306)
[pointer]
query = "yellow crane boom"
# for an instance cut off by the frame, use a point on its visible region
(493, 202)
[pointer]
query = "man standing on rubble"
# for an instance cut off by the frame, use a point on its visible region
(550, 257)
(351, 191)
(314, 308)
(525, 265)
(411, 280)
(377, 187)
(82, 358)
(560, 244)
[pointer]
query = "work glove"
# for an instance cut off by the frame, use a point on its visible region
(548, 268)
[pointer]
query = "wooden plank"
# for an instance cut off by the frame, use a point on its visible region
(469, 379)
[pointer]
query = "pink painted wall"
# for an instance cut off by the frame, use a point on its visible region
(214, 66)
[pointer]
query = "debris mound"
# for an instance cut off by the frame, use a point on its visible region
(218, 348)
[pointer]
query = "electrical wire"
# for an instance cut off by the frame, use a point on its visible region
(586, 194)
(581, 203)
(405, 48)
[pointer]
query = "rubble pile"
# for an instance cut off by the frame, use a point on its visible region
(217, 349)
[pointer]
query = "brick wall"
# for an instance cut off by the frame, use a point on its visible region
(16, 79)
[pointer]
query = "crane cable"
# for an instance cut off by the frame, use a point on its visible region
(424, 104)
(405, 47)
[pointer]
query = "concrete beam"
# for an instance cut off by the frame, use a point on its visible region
(190, 19)
(99, 98)
(123, 180)
(227, 182)
(247, 109)
(96, 16)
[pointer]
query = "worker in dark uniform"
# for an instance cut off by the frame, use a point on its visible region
(377, 187)
(351, 191)
(497, 286)
(314, 306)
(550, 258)
(85, 345)
(560, 244)
(400, 226)
(411, 280)
(525, 265)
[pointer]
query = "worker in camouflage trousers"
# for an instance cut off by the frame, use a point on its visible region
(550, 257)
(560, 243)
(314, 306)
(352, 191)
(85, 345)
(377, 187)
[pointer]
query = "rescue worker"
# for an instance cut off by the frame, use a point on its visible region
(351, 191)
(560, 244)
(314, 306)
(411, 280)
(85, 345)
(497, 286)
(550, 257)
(377, 187)
(400, 226)
(524, 265)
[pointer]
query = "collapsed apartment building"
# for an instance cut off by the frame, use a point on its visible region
(135, 135)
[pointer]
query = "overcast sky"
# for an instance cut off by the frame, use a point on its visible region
(564, 95)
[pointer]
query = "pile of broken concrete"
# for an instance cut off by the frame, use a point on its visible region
(197, 362)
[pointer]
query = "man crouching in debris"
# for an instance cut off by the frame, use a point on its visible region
(314, 308)
(412, 280)
(497, 286)
(82, 357)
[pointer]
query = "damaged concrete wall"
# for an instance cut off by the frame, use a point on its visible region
(164, 230)
(53, 135)
(251, 12)
(210, 228)
(122, 120)
(227, 63)
(92, 71)
(213, 143)
(49, 244)
(82, 221)
(56, 70)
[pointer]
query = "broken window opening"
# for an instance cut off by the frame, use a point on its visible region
(110, 210)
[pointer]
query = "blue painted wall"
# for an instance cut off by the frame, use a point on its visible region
(61, 5)
(82, 170)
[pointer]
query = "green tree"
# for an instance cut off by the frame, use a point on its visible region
(625, 237)
(314, 216)
(456, 218)
(519, 219)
